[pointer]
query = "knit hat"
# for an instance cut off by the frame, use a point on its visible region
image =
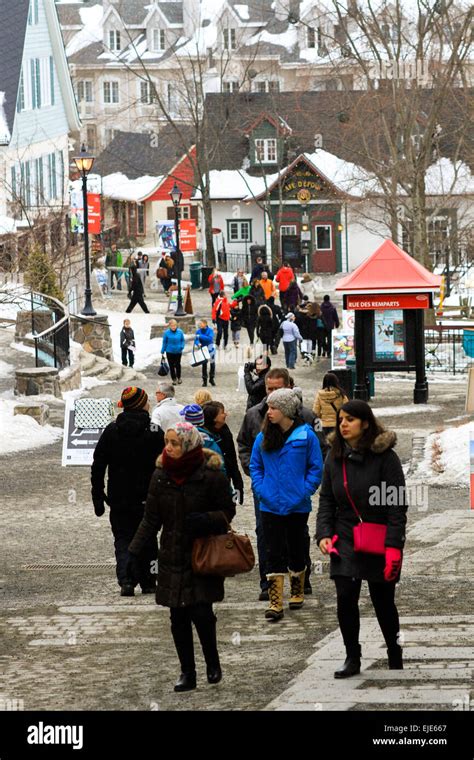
(193, 414)
(286, 400)
(133, 399)
(188, 435)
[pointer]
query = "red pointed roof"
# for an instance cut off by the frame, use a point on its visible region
(389, 270)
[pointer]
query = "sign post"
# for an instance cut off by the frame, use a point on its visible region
(78, 443)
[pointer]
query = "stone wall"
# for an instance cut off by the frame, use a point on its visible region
(43, 320)
(186, 324)
(93, 333)
(70, 378)
(39, 412)
(37, 381)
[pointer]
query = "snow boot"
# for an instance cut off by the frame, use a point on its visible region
(351, 665)
(275, 594)
(395, 657)
(297, 589)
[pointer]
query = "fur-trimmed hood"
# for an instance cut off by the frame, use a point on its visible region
(386, 439)
(212, 460)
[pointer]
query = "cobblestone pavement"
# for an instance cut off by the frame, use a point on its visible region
(71, 642)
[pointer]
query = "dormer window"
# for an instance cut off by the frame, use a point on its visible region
(266, 150)
(230, 39)
(158, 40)
(311, 37)
(114, 40)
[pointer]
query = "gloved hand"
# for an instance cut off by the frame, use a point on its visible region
(393, 563)
(198, 524)
(98, 502)
(333, 549)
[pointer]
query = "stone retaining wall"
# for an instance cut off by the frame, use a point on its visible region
(37, 381)
(70, 378)
(43, 320)
(93, 333)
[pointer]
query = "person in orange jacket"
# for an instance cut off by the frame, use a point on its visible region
(268, 286)
(221, 316)
(216, 284)
(284, 276)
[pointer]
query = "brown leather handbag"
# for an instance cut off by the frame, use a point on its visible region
(228, 554)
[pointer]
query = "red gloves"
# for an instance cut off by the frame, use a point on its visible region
(393, 563)
(333, 550)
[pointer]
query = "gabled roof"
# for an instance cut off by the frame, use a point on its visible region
(134, 155)
(14, 20)
(388, 269)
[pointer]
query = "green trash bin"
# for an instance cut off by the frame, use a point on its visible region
(370, 378)
(195, 274)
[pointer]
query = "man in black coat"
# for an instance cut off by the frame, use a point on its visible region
(128, 449)
(330, 319)
(255, 386)
(136, 292)
(251, 426)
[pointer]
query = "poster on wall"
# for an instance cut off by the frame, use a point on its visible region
(167, 236)
(342, 348)
(389, 343)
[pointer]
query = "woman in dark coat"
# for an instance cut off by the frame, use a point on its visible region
(257, 292)
(185, 489)
(136, 291)
(265, 327)
(249, 316)
(293, 296)
(215, 417)
(376, 485)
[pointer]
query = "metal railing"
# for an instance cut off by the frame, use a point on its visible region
(52, 347)
(449, 349)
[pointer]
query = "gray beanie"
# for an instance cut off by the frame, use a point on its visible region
(286, 400)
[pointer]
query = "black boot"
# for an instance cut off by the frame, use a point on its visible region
(183, 640)
(395, 657)
(351, 665)
(205, 623)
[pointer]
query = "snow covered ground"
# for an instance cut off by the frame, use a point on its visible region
(392, 411)
(148, 351)
(22, 432)
(446, 458)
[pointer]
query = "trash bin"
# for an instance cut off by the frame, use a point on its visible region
(195, 274)
(369, 378)
(205, 274)
(344, 375)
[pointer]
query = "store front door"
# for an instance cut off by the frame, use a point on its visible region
(291, 251)
(324, 247)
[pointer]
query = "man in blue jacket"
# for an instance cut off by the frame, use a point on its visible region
(205, 337)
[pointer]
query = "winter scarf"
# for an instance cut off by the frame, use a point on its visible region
(180, 469)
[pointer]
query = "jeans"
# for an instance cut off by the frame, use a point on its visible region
(174, 360)
(131, 357)
(222, 328)
(383, 598)
(290, 353)
(261, 549)
(285, 541)
(124, 526)
(212, 370)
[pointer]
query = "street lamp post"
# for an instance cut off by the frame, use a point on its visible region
(176, 196)
(84, 162)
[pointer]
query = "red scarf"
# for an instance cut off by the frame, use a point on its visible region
(180, 469)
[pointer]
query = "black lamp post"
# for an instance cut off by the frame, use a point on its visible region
(176, 196)
(84, 163)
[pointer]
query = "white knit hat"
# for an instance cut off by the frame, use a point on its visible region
(286, 400)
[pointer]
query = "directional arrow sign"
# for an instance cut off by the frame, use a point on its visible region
(78, 443)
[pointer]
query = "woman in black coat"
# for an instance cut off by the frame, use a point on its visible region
(376, 486)
(249, 316)
(265, 327)
(185, 488)
(136, 291)
(215, 417)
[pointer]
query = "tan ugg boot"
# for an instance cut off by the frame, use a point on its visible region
(297, 589)
(275, 594)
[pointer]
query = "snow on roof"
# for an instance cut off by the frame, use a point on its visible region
(7, 225)
(348, 177)
(287, 39)
(243, 11)
(120, 188)
(91, 31)
(236, 184)
(445, 177)
(5, 135)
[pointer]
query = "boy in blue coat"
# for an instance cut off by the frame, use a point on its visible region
(286, 468)
(205, 337)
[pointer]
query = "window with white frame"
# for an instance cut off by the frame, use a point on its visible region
(239, 230)
(259, 86)
(109, 135)
(85, 92)
(172, 98)
(439, 233)
(111, 92)
(33, 15)
(323, 237)
(287, 229)
(266, 85)
(230, 86)
(265, 150)
(274, 85)
(158, 39)
(114, 40)
(230, 39)
(311, 37)
(146, 93)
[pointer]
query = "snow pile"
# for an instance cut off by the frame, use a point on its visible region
(5, 368)
(22, 432)
(5, 135)
(393, 411)
(90, 32)
(446, 458)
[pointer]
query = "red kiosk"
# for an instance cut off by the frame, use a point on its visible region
(388, 293)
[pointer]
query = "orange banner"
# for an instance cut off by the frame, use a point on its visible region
(187, 235)
(93, 210)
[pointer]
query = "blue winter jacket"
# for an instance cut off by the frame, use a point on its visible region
(284, 480)
(206, 338)
(173, 342)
